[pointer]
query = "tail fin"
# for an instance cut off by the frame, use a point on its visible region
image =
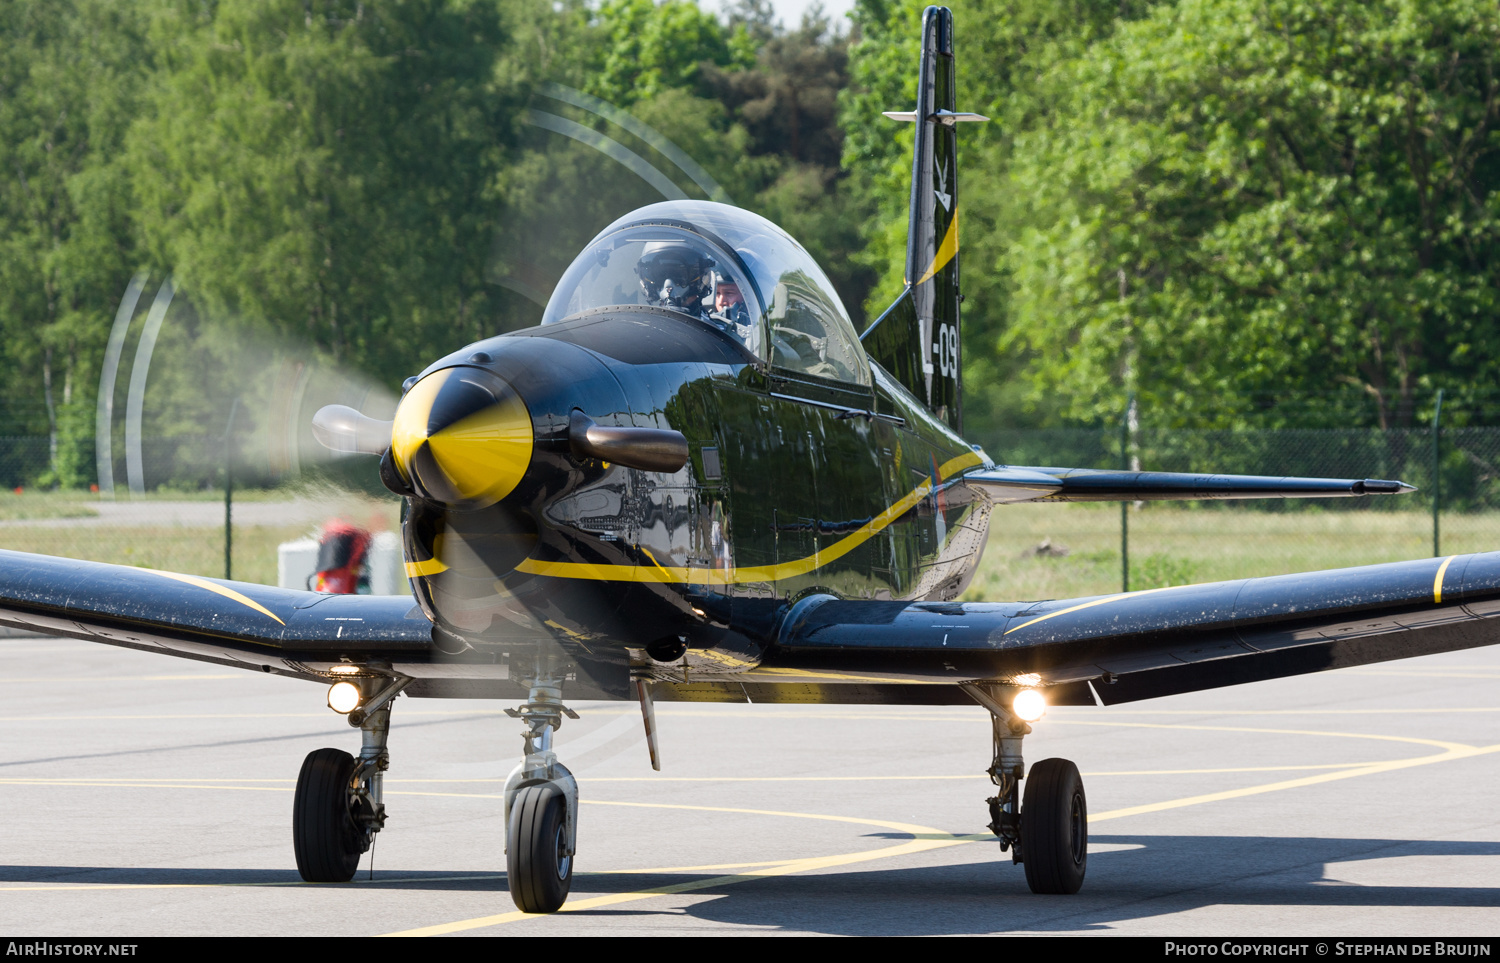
(916, 339)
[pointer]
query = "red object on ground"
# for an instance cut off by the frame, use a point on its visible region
(342, 551)
(19, 489)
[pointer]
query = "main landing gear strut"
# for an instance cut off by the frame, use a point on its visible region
(541, 807)
(1048, 832)
(338, 807)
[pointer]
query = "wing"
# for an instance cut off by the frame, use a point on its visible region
(1016, 484)
(1140, 645)
(231, 623)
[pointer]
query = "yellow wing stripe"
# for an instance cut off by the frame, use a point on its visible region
(1437, 597)
(228, 593)
(1088, 605)
(946, 251)
(1437, 583)
(679, 575)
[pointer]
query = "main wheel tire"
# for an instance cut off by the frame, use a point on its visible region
(1054, 828)
(538, 868)
(327, 840)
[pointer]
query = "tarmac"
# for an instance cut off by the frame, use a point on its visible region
(151, 796)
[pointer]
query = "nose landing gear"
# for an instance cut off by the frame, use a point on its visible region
(541, 808)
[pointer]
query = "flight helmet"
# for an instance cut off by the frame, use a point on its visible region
(676, 274)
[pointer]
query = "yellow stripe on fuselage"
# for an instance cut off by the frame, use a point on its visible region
(680, 575)
(430, 566)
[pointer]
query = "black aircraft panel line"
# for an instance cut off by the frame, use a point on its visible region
(694, 480)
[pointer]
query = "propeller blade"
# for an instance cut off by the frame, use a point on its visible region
(341, 428)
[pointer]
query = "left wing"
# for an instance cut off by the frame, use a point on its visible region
(1137, 645)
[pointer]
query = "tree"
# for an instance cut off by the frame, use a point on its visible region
(325, 170)
(70, 76)
(1207, 204)
(787, 102)
(1232, 199)
(652, 47)
(1005, 50)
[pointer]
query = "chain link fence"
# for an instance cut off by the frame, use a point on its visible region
(180, 520)
(1057, 551)
(1034, 551)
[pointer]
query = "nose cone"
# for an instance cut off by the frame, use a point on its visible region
(463, 437)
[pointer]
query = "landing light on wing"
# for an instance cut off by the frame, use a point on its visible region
(1029, 705)
(343, 697)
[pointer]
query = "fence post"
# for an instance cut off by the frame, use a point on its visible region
(1125, 506)
(1437, 482)
(229, 491)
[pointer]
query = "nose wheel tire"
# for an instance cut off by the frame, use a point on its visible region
(327, 840)
(538, 865)
(1054, 828)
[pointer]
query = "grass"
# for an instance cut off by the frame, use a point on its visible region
(193, 549)
(1171, 545)
(17, 508)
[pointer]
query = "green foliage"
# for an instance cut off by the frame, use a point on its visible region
(655, 46)
(877, 152)
(73, 464)
(70, 76)
(763, 122)
(1159, 570)
(1207, 204)
(326, 175)
(1234, 199)
(788, 160)
(355, 184)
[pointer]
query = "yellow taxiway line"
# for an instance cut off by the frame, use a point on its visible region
(935, 839)
(922, 838)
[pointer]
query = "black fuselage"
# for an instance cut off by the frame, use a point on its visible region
(795, 486)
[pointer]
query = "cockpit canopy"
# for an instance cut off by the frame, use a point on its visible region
(724, 267)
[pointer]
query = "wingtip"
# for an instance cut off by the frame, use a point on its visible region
(1381, 486)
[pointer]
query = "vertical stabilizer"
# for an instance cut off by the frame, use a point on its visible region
(917, 338)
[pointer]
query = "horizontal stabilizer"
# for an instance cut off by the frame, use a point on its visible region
(948, 117)
(1018, 484)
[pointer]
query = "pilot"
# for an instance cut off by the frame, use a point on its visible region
(729, 308)
(680, 276)
(676, 275)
